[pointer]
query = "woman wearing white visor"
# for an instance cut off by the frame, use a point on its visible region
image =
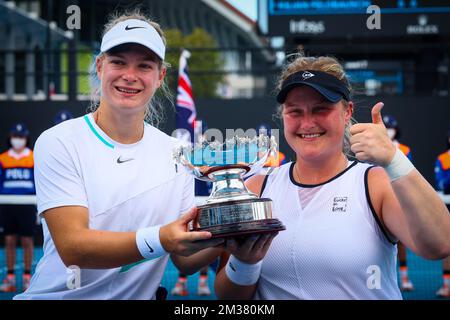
(107, 189)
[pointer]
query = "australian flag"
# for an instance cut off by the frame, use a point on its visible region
(185, 106)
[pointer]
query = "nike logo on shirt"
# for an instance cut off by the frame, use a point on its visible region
(119, 160)
(131, 28)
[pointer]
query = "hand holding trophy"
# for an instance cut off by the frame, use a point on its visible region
(230, 210)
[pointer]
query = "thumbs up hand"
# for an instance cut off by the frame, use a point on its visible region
(370, 141)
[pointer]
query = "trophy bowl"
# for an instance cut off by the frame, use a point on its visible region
(231, 209)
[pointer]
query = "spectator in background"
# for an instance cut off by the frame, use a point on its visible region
(394, 133)
(62, 116)
(17, 177)
(442, 171)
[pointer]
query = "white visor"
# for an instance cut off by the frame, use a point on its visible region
(134, 31)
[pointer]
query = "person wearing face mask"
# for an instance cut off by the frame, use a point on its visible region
(393, 132)
(17, 177)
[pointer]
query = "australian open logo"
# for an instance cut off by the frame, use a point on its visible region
(339, 204)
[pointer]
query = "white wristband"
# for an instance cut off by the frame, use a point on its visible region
(242, 273)
(400, 166)
(148, 243)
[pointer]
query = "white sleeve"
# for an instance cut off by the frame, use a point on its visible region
(188, 200)
(58, 183)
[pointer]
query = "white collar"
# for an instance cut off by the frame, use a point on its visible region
(25, 152)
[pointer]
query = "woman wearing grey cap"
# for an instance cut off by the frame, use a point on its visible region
(346, 200)
(107, 189)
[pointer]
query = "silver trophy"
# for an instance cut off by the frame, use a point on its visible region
(230, 210)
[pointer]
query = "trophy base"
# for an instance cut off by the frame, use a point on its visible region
(237, 217)
(244, 228)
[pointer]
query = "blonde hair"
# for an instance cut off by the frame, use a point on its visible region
(299, 62)
(154, 112)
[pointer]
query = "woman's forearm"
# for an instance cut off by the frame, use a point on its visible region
(227, 290)
(190, 265)
(96, 249)
(427, 216)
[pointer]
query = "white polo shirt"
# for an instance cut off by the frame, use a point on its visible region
(125, 187)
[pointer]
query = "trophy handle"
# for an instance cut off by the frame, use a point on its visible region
(259, 164)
